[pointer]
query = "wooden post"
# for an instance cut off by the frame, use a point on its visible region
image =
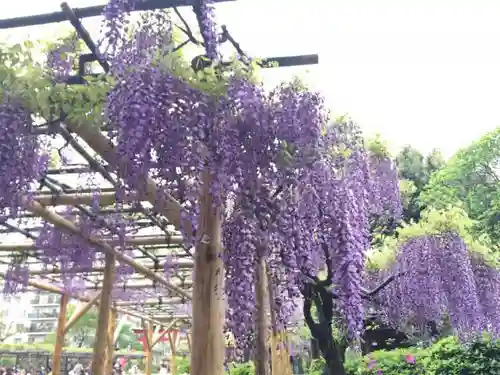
(81, 312)
(61, 321)
(101, 339)
(207, 355)
(110, 352)
(262, 321)
(148, 331)
(172, 339)
(188, 340)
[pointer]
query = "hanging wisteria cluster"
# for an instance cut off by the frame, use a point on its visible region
(385, 196)
(440, 280)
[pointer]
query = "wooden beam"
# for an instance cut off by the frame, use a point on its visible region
(80, 312)
(208, 351)
(98, 366)
(111, 343)
(112, 241)
(183, 265)
(161, 200)
(63, 199)
(70, 227)
(57, 355)
(152, 302)
(162, 334)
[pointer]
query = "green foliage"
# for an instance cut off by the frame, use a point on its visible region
(471, 179)
(448, 357)
(83, 331)
(414, 171)
(317, 366)
(378, 146)
(183, 366)
(246, 368)
(394, 362)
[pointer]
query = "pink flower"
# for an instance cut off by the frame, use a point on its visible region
(410, 358)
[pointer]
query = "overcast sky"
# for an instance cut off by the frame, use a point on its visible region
(425, 72)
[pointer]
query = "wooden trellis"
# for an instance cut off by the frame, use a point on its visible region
(156, 221)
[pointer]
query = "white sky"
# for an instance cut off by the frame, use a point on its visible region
(425, 72)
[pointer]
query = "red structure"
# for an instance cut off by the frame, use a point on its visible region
(141, 336)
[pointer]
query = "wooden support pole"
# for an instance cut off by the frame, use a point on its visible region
(57, 355)
(208, 351)
(101, 337)
(112, 241)
(110, 352)
(165, 332)
(70, 227)
(262, 321)
(80, 312)
(148, 354)
(172, 339)
(275, 370)
(188, 340)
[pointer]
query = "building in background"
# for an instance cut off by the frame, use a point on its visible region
(42, 316)
(14, 319)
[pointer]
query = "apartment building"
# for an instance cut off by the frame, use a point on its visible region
(14, 319)
(42, 316)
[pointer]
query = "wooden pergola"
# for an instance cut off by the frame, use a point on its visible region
(155, 242)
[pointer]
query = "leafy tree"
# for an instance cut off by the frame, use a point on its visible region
(83, 332)
(471, 179)
(415, 170)
(7, 329)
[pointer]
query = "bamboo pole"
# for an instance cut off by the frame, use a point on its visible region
(148, 332)
(262, 320)
(207, 356)
(57, 355)
(81, 312)
(162, 201)
(101, 339)
(110, 352)
(172, 339)
(68, 226)
(112, 241)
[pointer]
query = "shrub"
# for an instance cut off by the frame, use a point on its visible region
(246, 368)
(411, 361)
(449, 357)
(183, 366)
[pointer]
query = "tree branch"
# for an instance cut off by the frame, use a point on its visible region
(371, 293)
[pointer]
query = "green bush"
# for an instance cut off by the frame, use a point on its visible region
(246, 368)
(183, 365)
(410, 361)
(449, 357)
